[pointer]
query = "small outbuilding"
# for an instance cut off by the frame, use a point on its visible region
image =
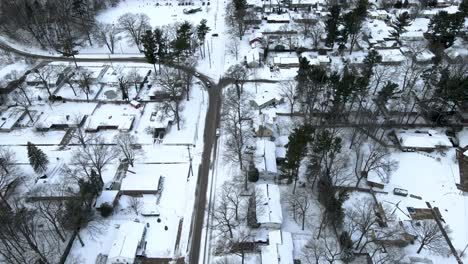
(129, 239)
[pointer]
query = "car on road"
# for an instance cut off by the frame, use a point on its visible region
(208, 84)
(197, 74)
(218, 132)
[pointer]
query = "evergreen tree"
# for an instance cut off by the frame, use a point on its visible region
(352, 22)
(463, 7)
(37, 158)
(149, 47)
(253, 173)
(331, 25)
(389, 90)
(296, 151)
(182, 44)
(399, 25)
(161, 42)
(372, 58)
(202, 30)
(445, 27)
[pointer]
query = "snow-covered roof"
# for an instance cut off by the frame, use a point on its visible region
(266, 156)
(265, 97)
(268, 206)
(160, 120)
(279, 249)
(282, 141)
(112, 116)
(126, 242)
(378, 30)
(391, 55)
(424, 56)
(106, 197)
(307, 2)
(141, 180)
(279, 18)
(412, 35)
(429, 139)
(286, 60)
(123, 123)
(10, 117)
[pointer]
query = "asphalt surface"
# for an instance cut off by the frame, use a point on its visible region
(209, 136)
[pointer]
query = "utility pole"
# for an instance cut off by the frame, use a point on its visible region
(190, 160)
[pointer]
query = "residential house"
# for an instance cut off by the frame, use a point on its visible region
(268, 206)
(423, 140)
(279, 249)
(265, 158)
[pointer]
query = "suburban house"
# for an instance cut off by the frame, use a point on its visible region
(265, 158)
(121, 123)
(10, 118)
(280, 248)
(141, 183)
(109, 197)
(286, 62)
(378, 14)
(127, 243)
(265, 99)
(160, 123)
(59, 121)
(268, 206)
(423, 140)
(281, 18)
(391, 56)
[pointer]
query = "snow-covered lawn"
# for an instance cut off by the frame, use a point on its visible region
(433, 177)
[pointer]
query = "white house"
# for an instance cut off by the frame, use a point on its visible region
(427, 140)
(279, 250)
(265, 158)
(129, 239)
(268, 206)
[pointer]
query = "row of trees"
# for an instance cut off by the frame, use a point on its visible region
(51, 24)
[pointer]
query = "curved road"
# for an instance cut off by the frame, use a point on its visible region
(211, 123)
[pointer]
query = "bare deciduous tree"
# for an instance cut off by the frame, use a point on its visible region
(45, 74)
(172, 86)
(375, 158)
(134, 25)
(23, 102)
(9, 174)
(430, 237)
(322, 250)
(236, 115)
(224, 216)
(106, 34)
(85, 81)
(288, 91)
(135, 204)
(95, 156)
(299, 204)
(126, 146)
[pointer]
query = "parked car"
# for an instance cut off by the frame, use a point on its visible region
(214, 35)
(197, 74)
(400, 192)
